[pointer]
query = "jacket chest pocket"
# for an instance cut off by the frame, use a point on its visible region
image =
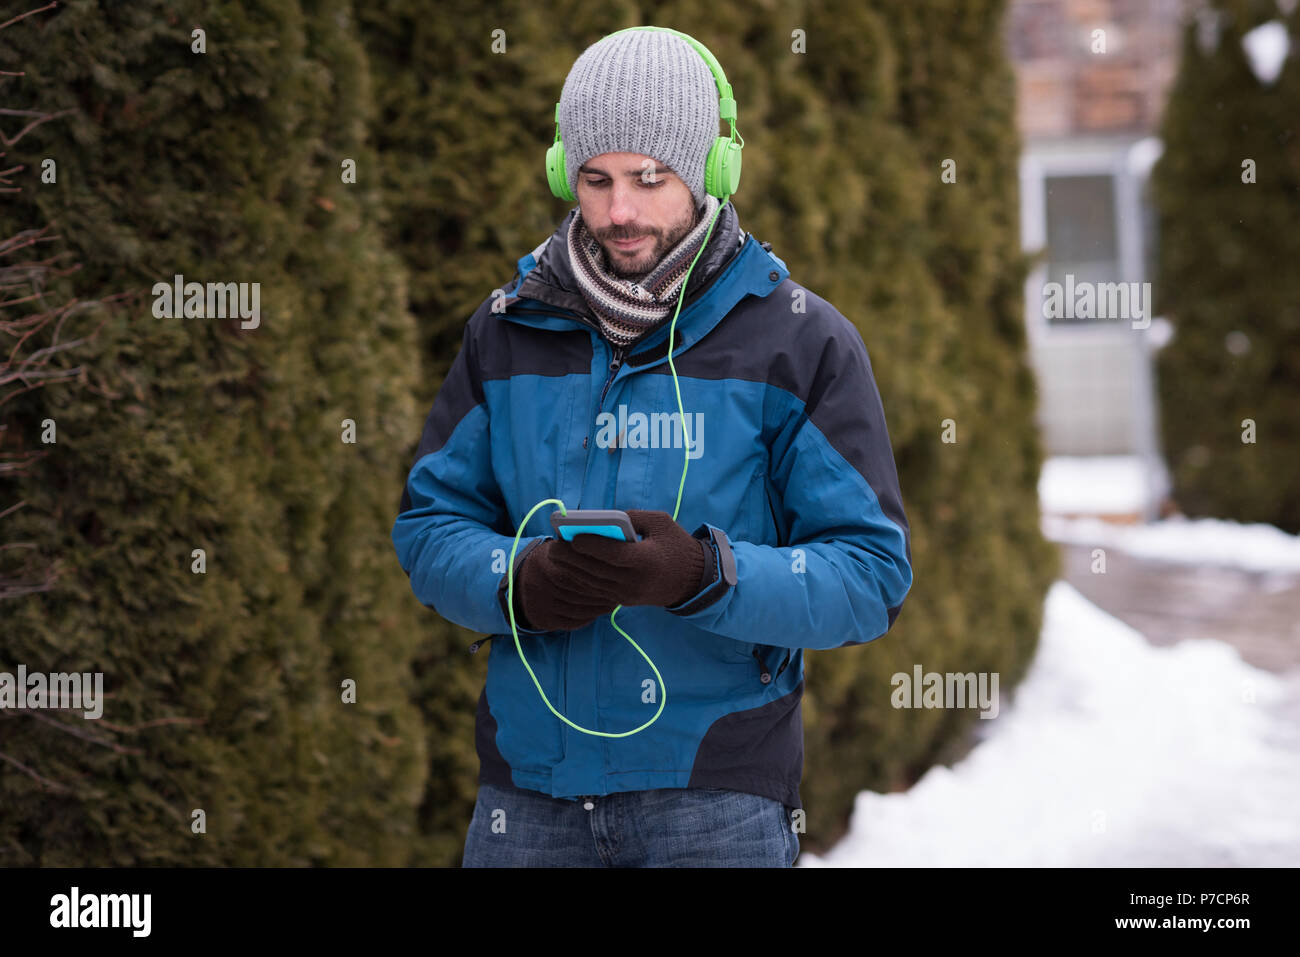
(774, 509)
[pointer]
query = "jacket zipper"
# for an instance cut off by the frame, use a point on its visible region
(615, 362)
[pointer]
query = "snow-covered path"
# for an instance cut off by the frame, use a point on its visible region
(1113, 752)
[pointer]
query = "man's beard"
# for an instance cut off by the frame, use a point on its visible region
(645, 262)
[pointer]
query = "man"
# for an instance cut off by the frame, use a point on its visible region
(563, 390)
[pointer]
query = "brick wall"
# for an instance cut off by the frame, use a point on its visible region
(1065, 88)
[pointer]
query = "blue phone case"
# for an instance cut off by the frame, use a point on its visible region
(608, 523)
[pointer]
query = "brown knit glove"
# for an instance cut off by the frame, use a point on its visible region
(552, 595)
(665, 568)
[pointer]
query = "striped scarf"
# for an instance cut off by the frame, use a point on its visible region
(627, 310)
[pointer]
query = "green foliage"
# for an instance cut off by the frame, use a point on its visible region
(195, 433)
(932, 277)
(844, 146)
(1227, 277)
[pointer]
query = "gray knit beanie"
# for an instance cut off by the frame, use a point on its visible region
(646, 92)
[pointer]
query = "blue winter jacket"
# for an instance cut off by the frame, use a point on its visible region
(790, 457)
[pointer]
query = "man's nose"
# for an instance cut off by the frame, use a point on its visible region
(623, 206)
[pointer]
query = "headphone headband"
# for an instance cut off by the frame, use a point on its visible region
(721, 168)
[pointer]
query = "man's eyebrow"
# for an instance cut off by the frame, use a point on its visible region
(632, 173)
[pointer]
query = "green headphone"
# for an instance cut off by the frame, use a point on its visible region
(721, 169)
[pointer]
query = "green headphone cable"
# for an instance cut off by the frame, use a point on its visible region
(510, 566)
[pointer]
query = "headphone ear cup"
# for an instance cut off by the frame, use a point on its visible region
(556, 175)
(722, 168)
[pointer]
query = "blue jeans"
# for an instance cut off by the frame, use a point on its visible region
(666, 827)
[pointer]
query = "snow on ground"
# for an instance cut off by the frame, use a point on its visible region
(1201, 541)
(1097, 484)
(1092, 485)
(1112, 753)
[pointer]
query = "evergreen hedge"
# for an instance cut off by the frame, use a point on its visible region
(225, 687)
(225, 167)
(1227, 276)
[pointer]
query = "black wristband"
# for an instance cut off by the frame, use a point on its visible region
(723, 574)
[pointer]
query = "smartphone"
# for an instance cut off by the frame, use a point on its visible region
(609, 522)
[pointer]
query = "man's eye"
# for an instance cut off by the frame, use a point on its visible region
(602, 183)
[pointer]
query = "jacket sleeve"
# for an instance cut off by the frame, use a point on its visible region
(842, 577)
(449, 529)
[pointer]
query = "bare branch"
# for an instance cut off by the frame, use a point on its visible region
(132, 728)
(33, 124)
(82, 734)
(52, 785)
(23, 16)
(18, 589)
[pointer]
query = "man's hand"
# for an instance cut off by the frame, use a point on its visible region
(553, 594)
(665, 568)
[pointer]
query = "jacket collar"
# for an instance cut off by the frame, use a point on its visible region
(732, 266)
